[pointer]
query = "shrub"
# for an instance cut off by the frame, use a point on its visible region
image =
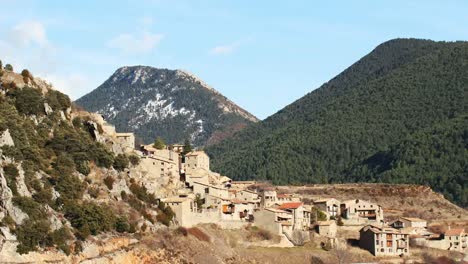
(70, 187)
(77, 122)
(26, 75)
(11, 173)
(89, 218)
(83, 167)
(43, 196)
(29, 101)
(123, 195)
(121, 162)
(134, 159)
(122, 225)
(8, 221)
(141, 193)
(60, 237)
(320, 215)
(103, 157)
(93, 192)
(8, 67)
(159, 143)
(109, 182)
(32, 208)
(32, 234)
(165, 214)
(57, 100)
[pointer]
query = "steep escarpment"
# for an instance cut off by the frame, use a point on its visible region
(60, 183)
(171, 104)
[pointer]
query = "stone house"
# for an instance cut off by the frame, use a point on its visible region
(361, 211)
(247, 195)
(204, 189)
(276, 221)
(301, 216)
(195, 160)
(327, 228)
(403, 222)
(456, 239)
(287, 198)
(126, 141)
(384, 241)
(330, 206)
(268, 198)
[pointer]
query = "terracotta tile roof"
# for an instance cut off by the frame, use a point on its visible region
(454, 232)
(293, 205)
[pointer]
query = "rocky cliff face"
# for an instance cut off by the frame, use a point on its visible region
(172, 104)
(59, 177)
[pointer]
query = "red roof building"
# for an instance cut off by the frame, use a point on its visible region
(293, 205)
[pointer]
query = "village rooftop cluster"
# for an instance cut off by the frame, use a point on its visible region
(200, 196)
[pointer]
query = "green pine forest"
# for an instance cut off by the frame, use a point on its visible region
(398, 115)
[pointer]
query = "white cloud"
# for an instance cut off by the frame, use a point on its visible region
(142, 43)
(71, 84)
(27, 46)
(29, 32)
(225, 49)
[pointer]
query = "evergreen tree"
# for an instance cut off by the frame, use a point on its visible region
(159, 143)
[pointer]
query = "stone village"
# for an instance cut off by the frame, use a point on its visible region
(199, 196)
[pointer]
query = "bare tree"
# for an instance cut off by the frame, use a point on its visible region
(341, 254)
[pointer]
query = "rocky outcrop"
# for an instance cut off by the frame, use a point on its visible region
(6, 139)
(6, 203)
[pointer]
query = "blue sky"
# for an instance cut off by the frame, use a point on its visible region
(262, 55)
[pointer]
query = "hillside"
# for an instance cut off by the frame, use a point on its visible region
(171, 104)
(60, 184)
(400, 88)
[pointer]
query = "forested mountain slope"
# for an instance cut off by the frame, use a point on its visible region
(171, 104)
(401, 87)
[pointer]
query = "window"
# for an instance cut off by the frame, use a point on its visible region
(377, 242)
(382, 250)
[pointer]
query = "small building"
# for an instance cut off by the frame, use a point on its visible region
(456, 239)
(384, 241)
(403, 222)
(287, 198)
(274, 220)
(327, 228)
(360, 211)
(269, 198)
(126, 141)
(196, 160)
(247, 195)
(330, 206)
(301, 217)
(183, 208)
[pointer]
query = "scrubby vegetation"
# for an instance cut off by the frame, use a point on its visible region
(53, 150)
(351, 128)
